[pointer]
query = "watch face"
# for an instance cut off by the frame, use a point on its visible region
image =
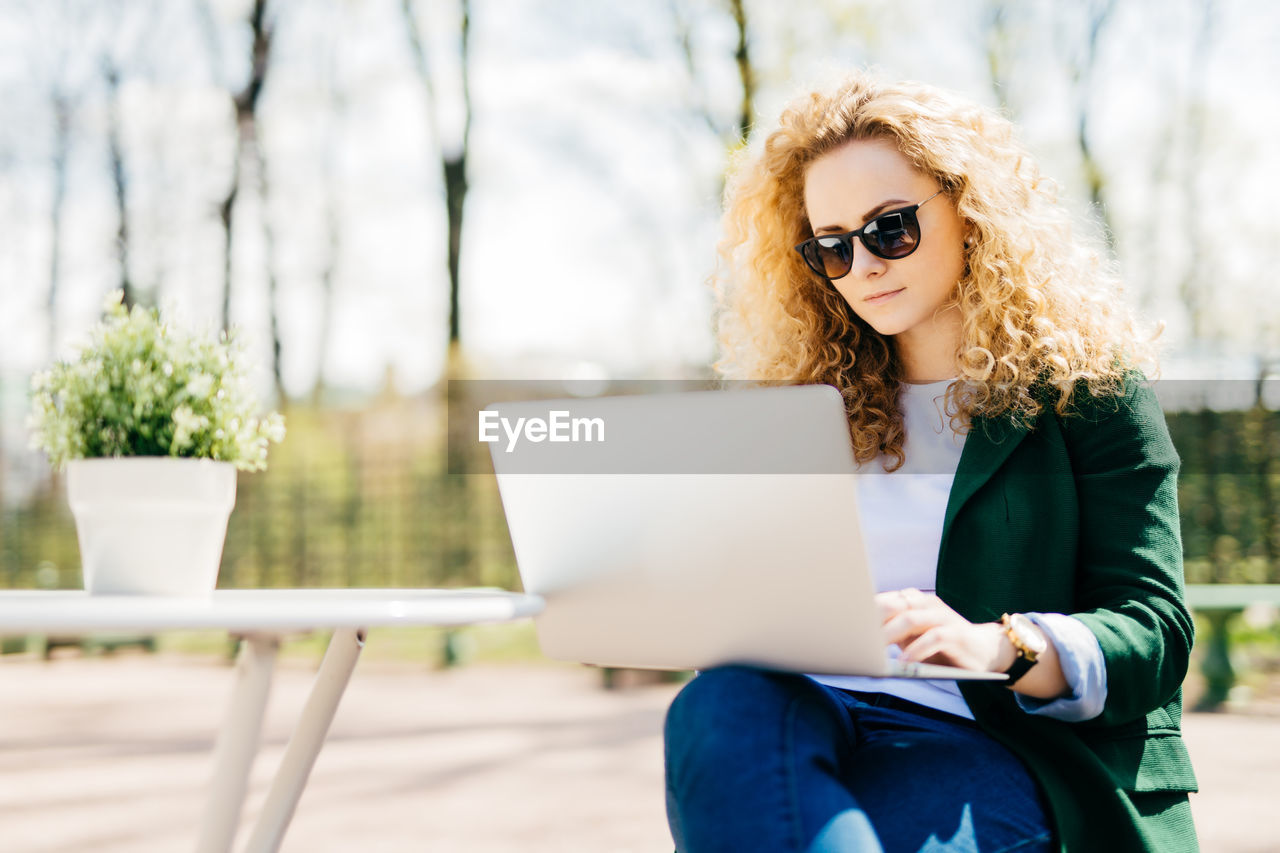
(1028, 633)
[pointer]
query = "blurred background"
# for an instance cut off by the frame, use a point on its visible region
(384, 194)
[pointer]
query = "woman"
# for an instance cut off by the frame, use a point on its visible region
(895, 241)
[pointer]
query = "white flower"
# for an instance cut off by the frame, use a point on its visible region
(275, 430)
(199, 386)
(135, 371)
(186, 423)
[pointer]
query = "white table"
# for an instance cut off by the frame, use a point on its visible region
(262, 617)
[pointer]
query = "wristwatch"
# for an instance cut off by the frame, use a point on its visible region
(1028, 642)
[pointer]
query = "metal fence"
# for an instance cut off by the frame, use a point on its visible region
(362, 499)
(349, 499)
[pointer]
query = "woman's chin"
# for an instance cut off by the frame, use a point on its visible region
(885, 326)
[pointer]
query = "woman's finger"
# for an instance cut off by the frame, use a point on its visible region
(890, 604)
(897, 601)
(910, 624)
(935, 641)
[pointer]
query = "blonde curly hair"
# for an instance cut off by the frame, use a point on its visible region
(1041, 312)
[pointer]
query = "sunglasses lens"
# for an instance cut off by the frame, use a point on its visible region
(891, 236)
(894, 235)
(830, 256)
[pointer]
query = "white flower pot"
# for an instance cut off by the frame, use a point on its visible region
(151, 525)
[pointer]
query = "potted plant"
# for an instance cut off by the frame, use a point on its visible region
(150, 424)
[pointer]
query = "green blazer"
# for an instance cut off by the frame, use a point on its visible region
(1078, 514)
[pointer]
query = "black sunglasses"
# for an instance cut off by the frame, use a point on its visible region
(891, 235)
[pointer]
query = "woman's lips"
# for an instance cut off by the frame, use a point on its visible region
(883, 296)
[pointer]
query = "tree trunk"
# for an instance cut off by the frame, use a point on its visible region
(118, 180)
(455, 194)
(261, 180)
(1190, 288)
(1268, 450)
(997, 45)
(245, 104)
(61, 152)
(226, 215)
(333, 243)
(332, 143)
(456, 526)
(746, 72)
(460, 555)
(1082, 74)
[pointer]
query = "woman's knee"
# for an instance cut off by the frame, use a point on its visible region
(727, 690)
(756, 748)
(721, 716)
(723, 704)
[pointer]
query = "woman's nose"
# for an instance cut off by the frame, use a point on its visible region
(864, 264)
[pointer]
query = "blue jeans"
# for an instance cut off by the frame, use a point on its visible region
(768, 761)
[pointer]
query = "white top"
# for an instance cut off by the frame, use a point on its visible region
(902, 514)
(266, 610)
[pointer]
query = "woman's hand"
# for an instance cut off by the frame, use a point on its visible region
(929, 631)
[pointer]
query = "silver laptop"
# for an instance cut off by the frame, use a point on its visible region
(688, 530)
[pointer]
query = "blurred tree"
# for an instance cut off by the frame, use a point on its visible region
(248, 165)
(746, 72)
(115, 150)
(1193, 284)
(1148, 263)
(734, 135)
(996, 43)
(1082, 63)
(453, 154)
(60, 57)
(332, 141)
(1267, 453)
(128, 44)
(62, 103)
(1190, 288)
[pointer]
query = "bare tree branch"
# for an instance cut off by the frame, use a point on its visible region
(746, 72)
(684, 35)
(62, 110)
(1191, 286)
(52, 50)
(996, 42)
(249, 163)
(737, 134)
(453, 159)
(418, 53)
(115, 149)
(331, 142)
(1083, 66)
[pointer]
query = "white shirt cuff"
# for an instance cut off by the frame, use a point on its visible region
(1083, 666)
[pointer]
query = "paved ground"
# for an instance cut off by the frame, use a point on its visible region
(112, 755)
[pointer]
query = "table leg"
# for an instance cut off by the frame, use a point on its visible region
(300, 756)
(237, 744)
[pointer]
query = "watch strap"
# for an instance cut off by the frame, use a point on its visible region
(1020, 667)
(1025, 657)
